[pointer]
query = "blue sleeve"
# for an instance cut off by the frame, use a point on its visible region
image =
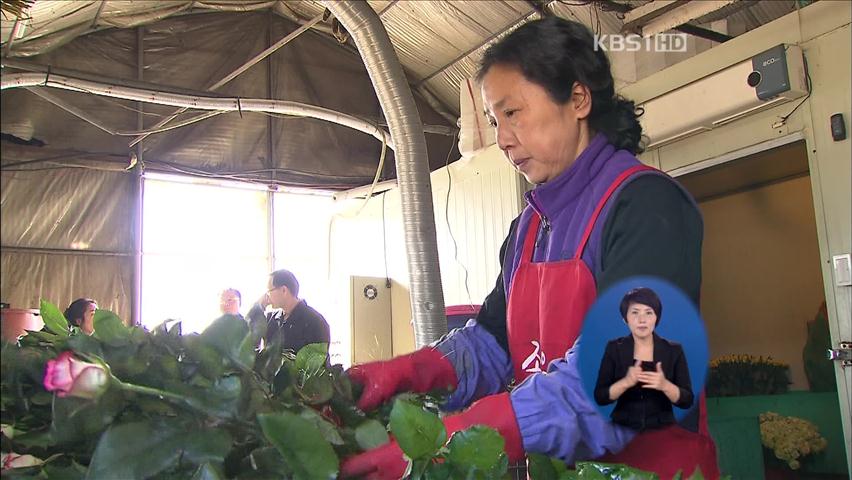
(557, 419)
(481, 364)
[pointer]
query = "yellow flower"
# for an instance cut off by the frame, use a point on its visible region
(790, 438)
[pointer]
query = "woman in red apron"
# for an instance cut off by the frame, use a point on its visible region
(596, 216)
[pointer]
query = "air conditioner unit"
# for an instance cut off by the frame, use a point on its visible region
(771, 78)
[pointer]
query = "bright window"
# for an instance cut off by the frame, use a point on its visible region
(301, 246)
(199, 239)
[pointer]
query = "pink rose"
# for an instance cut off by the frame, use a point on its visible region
(68, 376)
(13, 460)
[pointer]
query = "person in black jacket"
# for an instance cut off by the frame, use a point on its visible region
(293, 326)
(643, 372)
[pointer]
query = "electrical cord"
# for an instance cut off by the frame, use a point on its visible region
(449, 227)
(783, 120)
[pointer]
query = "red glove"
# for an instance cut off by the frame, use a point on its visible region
(424, 370)
(387, 462)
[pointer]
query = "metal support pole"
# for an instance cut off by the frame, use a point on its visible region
(136, 291)
(270, 159)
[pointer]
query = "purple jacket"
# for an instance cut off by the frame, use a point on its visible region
(554, 416)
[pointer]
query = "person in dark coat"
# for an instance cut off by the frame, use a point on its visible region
(293, 324)
(643, 372)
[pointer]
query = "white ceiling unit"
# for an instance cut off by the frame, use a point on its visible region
(770, 78)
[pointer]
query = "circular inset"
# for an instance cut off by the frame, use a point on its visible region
(607, 349)
(754, 79)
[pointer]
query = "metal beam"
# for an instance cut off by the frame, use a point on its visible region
(98, 14)
(242, 68)
(139, 191)
(636, 17)
(476, 47)
(703, 33)
(65, 251)
(29, 66)
(12, 35)
(388, 7)
(687, 28)
(681, 15)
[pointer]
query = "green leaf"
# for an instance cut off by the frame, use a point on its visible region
(144, 449)
(209, 360)
(35, 439)
(219, 399)
(312, 358)
(606, 471)
(439, 471)
(301, 444)
(85, 344)
(269, 463)
(419, 433)
(75, 471)
(371, 434)
(76, 419)
(246, 352)
(317, 389)
(226, 334)
(479, 448)
(54, 320)
(416, 469)
(110, 329)
(540, 467)
(328, 430)
(208, 471)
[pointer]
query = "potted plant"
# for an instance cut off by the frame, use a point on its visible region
(738, 375)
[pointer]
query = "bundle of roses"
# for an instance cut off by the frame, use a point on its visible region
(132, 404)
(126, 403)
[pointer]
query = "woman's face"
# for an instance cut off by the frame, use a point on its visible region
(88, 323)
(641, 320)
(541, 138)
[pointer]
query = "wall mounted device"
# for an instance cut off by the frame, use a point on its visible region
(770, 78)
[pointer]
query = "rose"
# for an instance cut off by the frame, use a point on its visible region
(13, 460)
(68, 376)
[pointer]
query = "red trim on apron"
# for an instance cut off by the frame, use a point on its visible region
(547, 303)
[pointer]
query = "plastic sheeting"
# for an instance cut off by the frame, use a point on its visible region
(62, 278)
(67, 208)
(186, 52)
(67, 231)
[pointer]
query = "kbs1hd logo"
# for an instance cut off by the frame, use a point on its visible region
(662, 42)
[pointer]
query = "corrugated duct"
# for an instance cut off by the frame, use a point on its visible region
(427, 299)
(19, 80)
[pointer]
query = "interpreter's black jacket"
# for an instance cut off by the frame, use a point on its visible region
(642, 408)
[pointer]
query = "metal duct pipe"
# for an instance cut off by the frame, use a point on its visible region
(412, 166)
(18, 80)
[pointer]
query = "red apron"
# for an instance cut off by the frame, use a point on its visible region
(546, 307)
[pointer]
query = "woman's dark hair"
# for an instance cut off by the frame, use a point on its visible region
(554, 53)
(74, 312)
(645, 296)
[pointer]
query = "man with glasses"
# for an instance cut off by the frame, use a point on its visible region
(292, 324)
